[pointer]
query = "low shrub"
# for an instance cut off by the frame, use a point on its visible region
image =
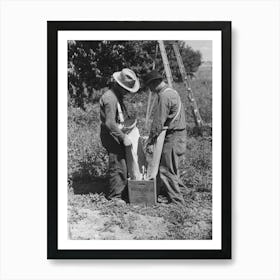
(86, 156)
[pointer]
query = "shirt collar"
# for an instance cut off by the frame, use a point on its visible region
(163, 88)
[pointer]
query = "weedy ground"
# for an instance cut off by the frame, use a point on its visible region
(92, 216)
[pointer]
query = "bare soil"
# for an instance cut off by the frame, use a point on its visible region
(94, 217)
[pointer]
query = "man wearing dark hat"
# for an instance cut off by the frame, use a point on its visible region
(112, 137)
(169, 113)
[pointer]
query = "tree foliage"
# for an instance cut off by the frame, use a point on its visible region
(92, 63)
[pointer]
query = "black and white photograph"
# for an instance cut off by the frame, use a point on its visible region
(136, 112)
(140, 140)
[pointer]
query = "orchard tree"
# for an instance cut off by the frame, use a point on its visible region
(92, 63)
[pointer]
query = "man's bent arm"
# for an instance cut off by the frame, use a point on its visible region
(160, 118)
(110, 121)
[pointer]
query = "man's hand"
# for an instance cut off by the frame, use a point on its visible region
(149, 149)
(127, 141)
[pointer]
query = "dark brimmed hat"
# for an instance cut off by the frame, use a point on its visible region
(151, 76)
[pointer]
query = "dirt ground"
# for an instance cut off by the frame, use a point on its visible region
(94, 217)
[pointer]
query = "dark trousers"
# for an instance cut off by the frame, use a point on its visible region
(117, 172)
(171, 184)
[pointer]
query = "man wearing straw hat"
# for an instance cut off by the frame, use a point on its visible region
(112, 137)
(169, 114)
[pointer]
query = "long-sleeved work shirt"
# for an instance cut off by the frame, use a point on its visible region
(109, 115)
(166, 109)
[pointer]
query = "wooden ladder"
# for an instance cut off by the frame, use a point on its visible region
(166, 63)
(185, 79)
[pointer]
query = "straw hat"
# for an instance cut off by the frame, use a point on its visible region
(127, 79)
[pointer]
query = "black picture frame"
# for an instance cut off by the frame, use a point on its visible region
(52, 102)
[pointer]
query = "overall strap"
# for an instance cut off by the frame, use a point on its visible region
(120, 115)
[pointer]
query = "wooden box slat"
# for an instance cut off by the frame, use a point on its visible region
(142, 192)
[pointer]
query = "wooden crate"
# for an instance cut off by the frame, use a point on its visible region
(142, 192)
